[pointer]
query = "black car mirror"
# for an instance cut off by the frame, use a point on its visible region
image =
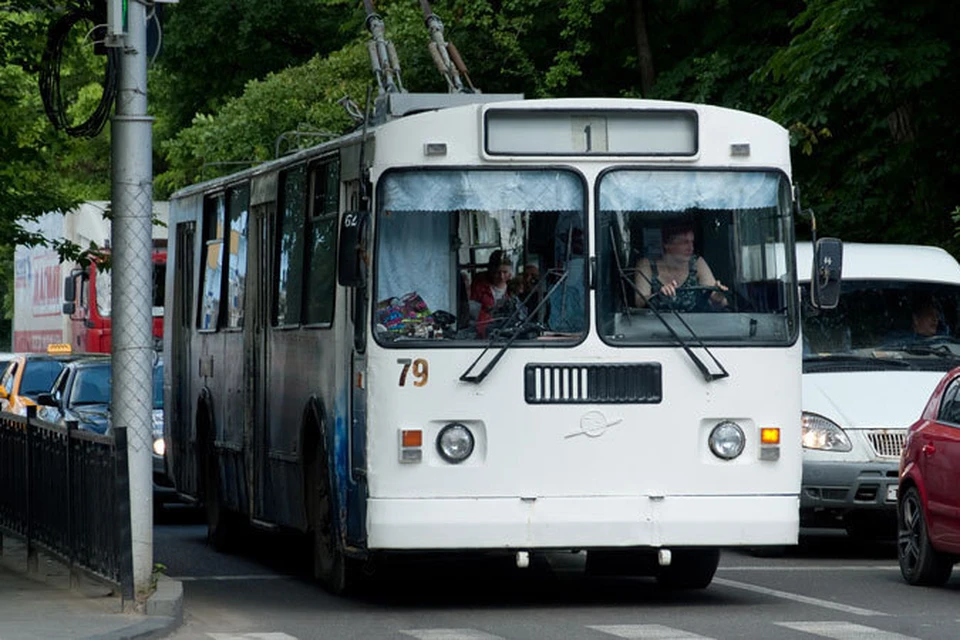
(47, 400)
(826, 275)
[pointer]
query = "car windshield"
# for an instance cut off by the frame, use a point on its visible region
(38, 376)
(91, 385)
(473, 255)
(884, 321)
(682, 227)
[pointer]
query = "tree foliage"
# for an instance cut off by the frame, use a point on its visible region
(864, 86)
(867, 92)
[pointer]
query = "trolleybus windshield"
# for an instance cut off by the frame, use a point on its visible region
(742, 228)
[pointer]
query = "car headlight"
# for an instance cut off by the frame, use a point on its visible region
(455, 443)
(727, 440)
(823, 434)
(159, 446)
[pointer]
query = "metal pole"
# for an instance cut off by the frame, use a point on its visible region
(133, 285)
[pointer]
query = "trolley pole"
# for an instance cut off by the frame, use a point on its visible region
(133, 355)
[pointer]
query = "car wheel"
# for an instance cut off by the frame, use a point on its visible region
(920, 563)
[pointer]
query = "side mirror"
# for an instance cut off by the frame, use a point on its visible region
(47, 400)
(70, 293)
(351, 253)
(825, 278)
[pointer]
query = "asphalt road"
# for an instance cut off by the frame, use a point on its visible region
(826, 588)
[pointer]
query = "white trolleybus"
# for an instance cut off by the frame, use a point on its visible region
(449, 331)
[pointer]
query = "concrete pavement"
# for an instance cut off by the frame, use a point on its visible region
(43, 605)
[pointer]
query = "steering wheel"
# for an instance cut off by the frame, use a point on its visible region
(704, 292)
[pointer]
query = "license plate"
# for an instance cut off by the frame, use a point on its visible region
(891, 493)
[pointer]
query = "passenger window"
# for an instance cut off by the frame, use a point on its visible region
(238, 207)
(288, 280)
(321, 245)
(213, 217)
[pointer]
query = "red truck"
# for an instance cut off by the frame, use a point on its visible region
(69, 303)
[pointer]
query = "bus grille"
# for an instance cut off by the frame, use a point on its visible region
(887, 442)
(593, 383)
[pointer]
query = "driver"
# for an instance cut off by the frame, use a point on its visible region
(926, 319)
(679, 275)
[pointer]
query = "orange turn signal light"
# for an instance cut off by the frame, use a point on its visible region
(770, 435)
(411, 438)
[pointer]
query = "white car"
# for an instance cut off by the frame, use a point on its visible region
(867, 376)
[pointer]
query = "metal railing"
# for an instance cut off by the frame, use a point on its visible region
(65, 491)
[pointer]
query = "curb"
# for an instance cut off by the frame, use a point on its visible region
(157, 617)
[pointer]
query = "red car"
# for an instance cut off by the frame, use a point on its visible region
(928, 503)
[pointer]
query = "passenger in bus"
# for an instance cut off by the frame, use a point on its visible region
(676, 279)
(489, 289)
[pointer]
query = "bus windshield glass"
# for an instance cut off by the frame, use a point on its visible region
(722, 239)
(479, 255)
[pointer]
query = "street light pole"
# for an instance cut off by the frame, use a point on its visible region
(132, 242)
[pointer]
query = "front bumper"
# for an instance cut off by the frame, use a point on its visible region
(581, 522)
(832, 493)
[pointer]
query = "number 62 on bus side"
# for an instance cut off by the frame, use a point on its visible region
(418, 367)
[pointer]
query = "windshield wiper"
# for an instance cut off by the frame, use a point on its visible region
(708, 375)
(517, 330)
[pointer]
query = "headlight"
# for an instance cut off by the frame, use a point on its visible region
(823, 434)
(159, 446)
(727, 440)
(455, 443)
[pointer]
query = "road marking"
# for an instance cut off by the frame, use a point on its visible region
(449, 634)
(257, 576)
(796, 597)
(844, 631)
(275, 635)
(646, 632)
(812, 567)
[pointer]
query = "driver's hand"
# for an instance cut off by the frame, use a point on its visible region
(669, 288)
(717, 298)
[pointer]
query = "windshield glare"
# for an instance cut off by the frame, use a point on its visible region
(479, 255)
(884, 319)
(694, 228)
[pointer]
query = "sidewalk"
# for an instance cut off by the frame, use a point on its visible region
(42, 606)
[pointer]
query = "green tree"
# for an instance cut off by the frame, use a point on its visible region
(211, 49)
(866, 88)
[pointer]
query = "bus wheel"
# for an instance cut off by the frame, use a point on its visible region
(330, 566)
(690, 568)
(221, 528)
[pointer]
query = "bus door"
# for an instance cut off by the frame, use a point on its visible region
(356, 301)
(259, 259)
(180, 421)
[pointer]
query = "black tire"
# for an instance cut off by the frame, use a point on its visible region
(222, 525)
(920, 563)
(690, 568)
(770, 551)
(331, 567)
(621, 562)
